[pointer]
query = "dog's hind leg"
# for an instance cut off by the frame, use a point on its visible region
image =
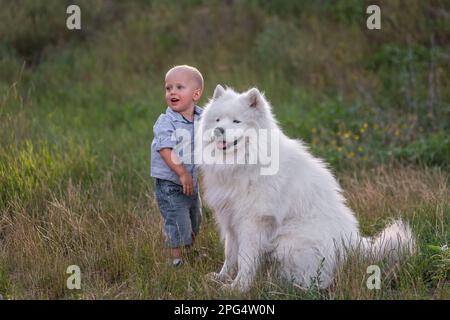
(306, 265)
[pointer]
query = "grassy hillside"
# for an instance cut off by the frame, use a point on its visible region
(77, 110)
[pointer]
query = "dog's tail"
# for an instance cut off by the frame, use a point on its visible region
(395, 241)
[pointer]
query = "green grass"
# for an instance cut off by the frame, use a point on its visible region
(76, 117)
(117, 242)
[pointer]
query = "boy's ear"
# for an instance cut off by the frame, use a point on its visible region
(197, 94)
(218, 91)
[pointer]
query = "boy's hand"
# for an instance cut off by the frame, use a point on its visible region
(188, 184)
(186, 179)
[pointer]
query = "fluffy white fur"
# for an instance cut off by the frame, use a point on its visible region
(298, 216)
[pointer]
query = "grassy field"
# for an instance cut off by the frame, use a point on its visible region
(77, 110)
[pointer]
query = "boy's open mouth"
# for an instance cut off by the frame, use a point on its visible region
(174, 99)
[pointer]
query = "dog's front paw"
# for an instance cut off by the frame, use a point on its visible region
(217, 277)
(236, 285)
(212, 276)
(227, 287)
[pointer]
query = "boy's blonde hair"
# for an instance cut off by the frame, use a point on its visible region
(192, 70)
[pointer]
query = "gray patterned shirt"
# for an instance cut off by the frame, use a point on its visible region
(174, 131)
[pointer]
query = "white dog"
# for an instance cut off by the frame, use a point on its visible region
(293, 211)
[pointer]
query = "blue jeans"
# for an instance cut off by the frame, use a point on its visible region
(181, 213)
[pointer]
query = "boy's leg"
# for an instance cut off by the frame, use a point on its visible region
(174, 207)
(175, 252)
(176, 256)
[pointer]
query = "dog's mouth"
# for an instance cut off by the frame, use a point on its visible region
(223, 145)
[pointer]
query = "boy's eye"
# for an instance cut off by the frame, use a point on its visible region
(236, 121)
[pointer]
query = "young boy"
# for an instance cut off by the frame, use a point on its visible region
(175, 174)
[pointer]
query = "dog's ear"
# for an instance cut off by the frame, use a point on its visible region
(254, 98)
(218, 91)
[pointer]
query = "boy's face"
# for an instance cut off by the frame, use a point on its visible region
(182, 91)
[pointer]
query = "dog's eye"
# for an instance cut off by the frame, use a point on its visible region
(217, 120)
(236, 121)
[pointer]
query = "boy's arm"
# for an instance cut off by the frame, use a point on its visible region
(186, 179)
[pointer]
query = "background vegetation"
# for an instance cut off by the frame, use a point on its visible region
(77, 110)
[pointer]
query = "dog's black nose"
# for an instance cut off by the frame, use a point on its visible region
(219, 131)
